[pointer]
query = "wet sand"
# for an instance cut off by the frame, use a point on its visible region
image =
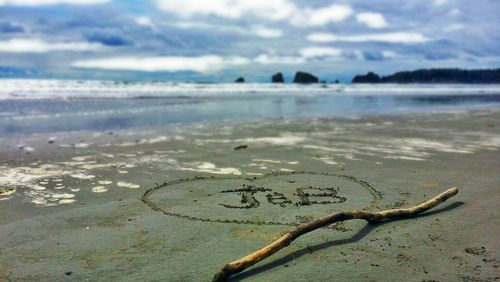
(71, 206)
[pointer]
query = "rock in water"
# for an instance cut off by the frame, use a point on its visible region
(277, 78)
(368, 78)
(240, 147)
(240, 80)
(304, 77)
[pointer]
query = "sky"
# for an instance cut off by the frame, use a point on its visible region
(220, 40)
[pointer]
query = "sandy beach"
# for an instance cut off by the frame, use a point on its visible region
(72, 206)
(242, 140)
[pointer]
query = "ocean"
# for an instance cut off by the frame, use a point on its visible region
(55, 106)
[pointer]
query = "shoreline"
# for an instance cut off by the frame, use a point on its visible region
(172, 128)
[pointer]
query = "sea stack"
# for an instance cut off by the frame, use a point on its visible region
(240, 80)
(370, 77)
(278, 78)
(304, 77)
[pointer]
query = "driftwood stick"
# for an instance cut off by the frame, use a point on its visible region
(239, 265)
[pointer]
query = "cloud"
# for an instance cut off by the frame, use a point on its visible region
(439, 55)
(315, 52)
(232, 9)
(201, 64)
(438, 3)
(272, 10)
(372, 20)
(222, 30)
(322, 16)
(454, 27)
(393, 37)
(259, 31)
(33, 3)
(455, 13)
(378, 56)
(353, 54)
(144, 21)
(108, 38)
(7, 27)
(147, 22)
(389, 54)
(278, 60)
(194, 25)
(267, 32)
(41, 46)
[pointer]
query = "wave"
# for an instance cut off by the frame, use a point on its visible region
(91, 89)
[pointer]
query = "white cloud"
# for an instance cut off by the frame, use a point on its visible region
(202, 64)
(277, 60)
(50, 2)
(372, 20)
(272, 10)
(147, 22)
(192, 25)
(455, 13)
(267, 32)
(389, 54)
(259, 31)
(313, 52)
(144, 21)
(41, 46)
(322, 16)
(440, 2)
(394, 37)
(233, 9)
(454, 27)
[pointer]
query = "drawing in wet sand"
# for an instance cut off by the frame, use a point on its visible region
(280, 198)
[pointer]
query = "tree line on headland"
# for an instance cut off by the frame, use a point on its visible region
(416, 76)
(433, 76)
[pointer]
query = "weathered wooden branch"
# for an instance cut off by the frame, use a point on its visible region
(285, 240)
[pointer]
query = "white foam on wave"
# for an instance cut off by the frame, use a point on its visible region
(50, 89)
(409, 148)
(127, 185)
(284, 140)
(209, 167)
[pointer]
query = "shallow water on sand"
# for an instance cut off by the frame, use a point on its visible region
(32, 106)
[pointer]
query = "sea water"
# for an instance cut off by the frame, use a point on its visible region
(44, 106)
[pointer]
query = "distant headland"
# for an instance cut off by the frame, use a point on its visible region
(441, 75)
(433, 76)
